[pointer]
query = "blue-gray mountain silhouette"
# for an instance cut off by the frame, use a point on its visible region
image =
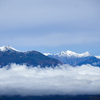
(10, 55)
(74, 59)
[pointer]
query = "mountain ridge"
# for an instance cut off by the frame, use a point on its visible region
(74, 59)
(6, 48)
(10, 55)
(69, 53)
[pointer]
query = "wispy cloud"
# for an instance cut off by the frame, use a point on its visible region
(63, 79)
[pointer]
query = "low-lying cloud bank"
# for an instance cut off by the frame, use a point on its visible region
(63, 79)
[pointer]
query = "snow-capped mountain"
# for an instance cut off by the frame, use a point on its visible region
(72, 54)
(6, 48)
(10, 55)
(46, 54)
(97, 57)
(74, 59)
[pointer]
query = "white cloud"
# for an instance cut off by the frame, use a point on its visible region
(65, 79)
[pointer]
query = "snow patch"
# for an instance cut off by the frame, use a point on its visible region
(46, 54)
(69, 53)
(73, 54)
(6, 48)
(97, 57)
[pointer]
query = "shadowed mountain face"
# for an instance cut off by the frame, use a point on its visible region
(74, 61)
(34, 58)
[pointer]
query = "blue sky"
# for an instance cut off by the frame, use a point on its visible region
(51, 25)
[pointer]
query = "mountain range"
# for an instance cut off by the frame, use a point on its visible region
(74, 59)
(9, 55)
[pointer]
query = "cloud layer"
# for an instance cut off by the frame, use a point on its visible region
(63, 79)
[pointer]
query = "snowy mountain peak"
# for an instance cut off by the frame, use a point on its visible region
(97, 57)
(64, 53)
(6, 48)
(70, 54)
(46, 54)
(85, 54)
